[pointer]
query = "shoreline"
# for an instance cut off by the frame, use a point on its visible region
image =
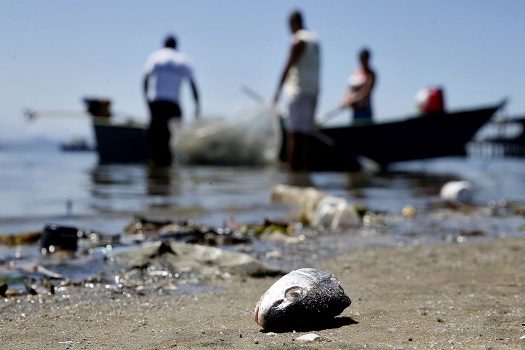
(467, 295)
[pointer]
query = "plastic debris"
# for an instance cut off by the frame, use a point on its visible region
(317, 207)
(458, 191)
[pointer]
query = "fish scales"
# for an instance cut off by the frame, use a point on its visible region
(301, 297)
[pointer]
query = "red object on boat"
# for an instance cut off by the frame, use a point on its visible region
(432, 101)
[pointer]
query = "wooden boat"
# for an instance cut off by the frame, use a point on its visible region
(332, 149)
(120, 143)
(417, 137)
(125, 142)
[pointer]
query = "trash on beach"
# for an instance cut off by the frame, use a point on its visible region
(184, 231)
(303, 297)
(309, 337)
(305, 198)
(272, 227)
(59, 239)
(140, 225)
(458, 192)
(32, 287)
(250, 137)
(316, 207)
(32, 277)
(193, 259)
(472, 233)
(506, 208)
(29, 237)
(98, 239)
(408, 211)
(335, 213)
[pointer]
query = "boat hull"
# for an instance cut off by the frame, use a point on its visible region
(337, 148)
(421, 137)
(121, 143)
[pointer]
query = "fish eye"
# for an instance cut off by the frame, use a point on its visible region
(294, 294)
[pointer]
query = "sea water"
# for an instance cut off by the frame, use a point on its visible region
(39, 184)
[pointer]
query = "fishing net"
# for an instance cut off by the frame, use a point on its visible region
(249, 137)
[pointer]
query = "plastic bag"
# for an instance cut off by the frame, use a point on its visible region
(249, 137)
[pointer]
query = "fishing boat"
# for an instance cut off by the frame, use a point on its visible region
(433, 135)
(417, 137)
(117, 142)
(505, 137)
(120, 142)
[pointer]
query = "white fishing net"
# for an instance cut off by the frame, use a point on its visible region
(248, 137)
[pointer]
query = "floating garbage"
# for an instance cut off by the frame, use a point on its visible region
(302, 297)
(458, 191)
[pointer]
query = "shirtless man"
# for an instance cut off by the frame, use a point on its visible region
(359, 94)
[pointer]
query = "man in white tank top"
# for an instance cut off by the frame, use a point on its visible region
(164, 72)
(300, 78)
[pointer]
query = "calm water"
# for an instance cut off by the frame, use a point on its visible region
(40, 185)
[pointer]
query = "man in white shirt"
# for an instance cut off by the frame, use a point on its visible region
(164, 72)
(300, 78)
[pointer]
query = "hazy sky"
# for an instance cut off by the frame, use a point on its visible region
(53, 53)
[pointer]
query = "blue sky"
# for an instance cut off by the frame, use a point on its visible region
(56, 52)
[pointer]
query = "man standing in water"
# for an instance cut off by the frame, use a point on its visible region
(361, 84)
(164, 72)
(300, 78)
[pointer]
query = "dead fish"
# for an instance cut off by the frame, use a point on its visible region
(302, 297)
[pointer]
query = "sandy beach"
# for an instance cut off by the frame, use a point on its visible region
(468, 295)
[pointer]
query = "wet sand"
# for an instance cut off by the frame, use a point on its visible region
(469, 295)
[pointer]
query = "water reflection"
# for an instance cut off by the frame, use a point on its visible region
(159, 181)
(299, 179)
(213, 194)
(117, 188)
